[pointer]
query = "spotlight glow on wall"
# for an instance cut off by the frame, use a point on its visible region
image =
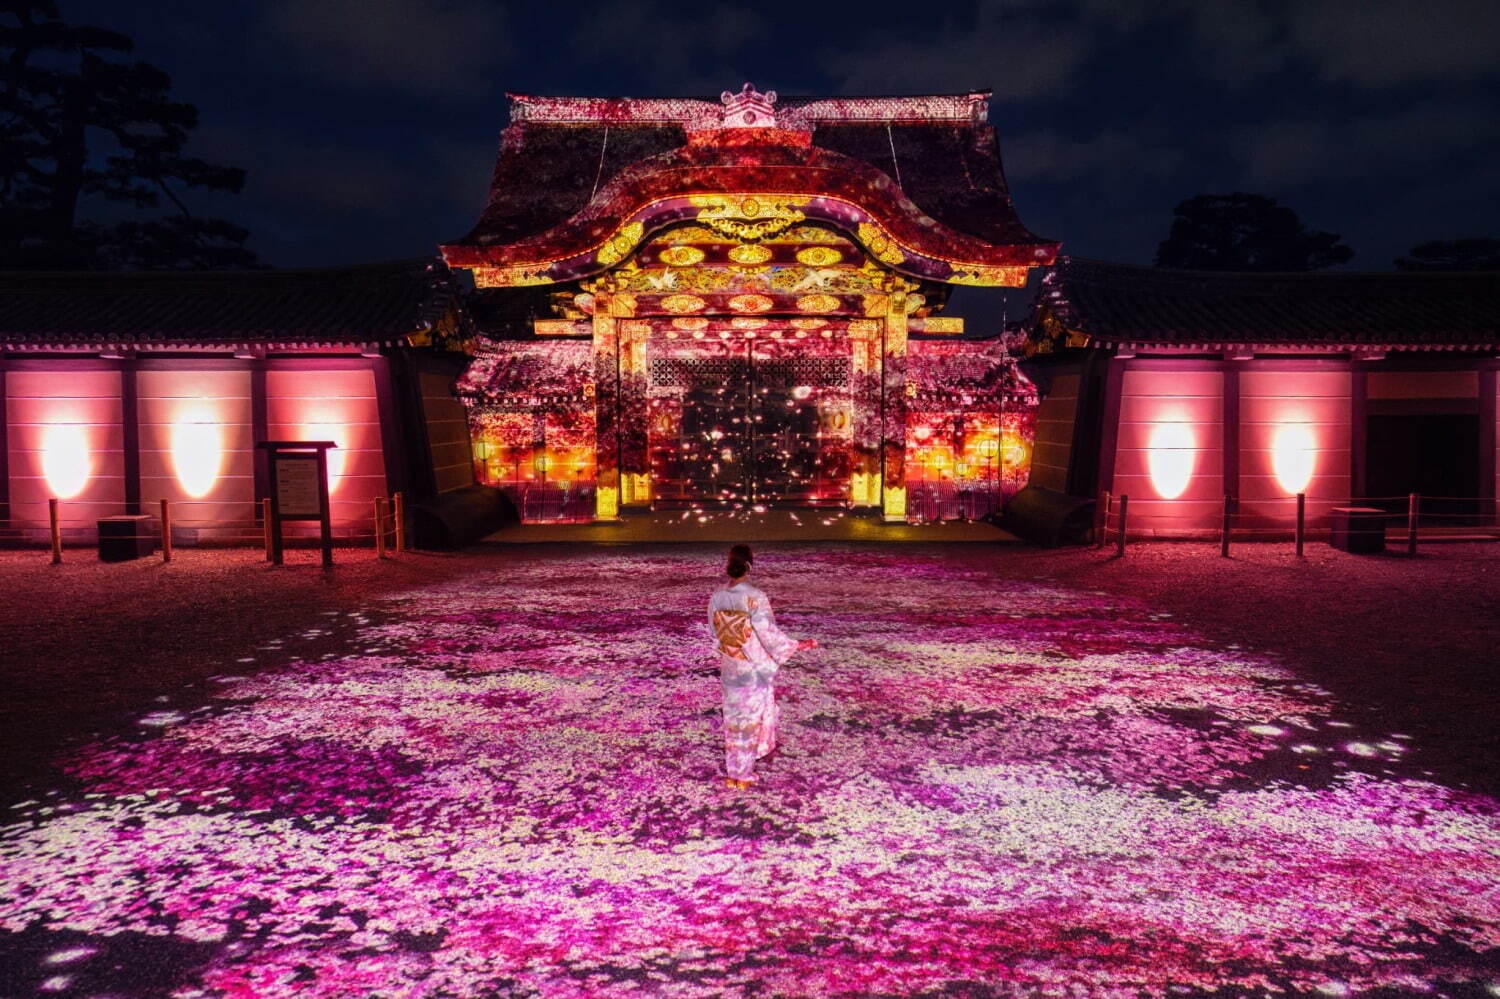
(1294, 457)
(66, 462)
(1170, 459)
(329, 432)
(197, 451)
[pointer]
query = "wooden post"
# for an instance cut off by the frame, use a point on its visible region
(265, 519)
(52, 515)
(1301, 521)
(1224, 527)
(1103, 520)
(325, 521)
(166, 532)
(399, 503)
(1413, 511)
(380, 527)
(1120, 541)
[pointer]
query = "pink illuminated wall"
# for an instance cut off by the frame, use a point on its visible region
(197, 447)
(1169, 455)
(1294, 425)
(337, 404)
(65, 441)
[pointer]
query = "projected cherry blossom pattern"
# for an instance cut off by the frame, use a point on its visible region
(510, 786)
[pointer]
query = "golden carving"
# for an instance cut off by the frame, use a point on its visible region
(808, 324)
(681, 256)
(622, 304)
(691, 323)
(749, 254)
(881, 246)
(943, 324)
(748, 323)
(510, 277)
(682, 304)
(751, 218)
(561, 327)
(618, 246)
(750, 303)
(876, 305)
(819, 256)
(817, 303)
(987, 276)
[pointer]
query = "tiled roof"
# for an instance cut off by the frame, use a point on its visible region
(1115, 304)
(372, 303)
(547, 171)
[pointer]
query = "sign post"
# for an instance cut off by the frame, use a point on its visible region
(299, 491)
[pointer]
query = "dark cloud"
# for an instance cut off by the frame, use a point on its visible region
(1293, 152)
(1008, 47)
(419, 46)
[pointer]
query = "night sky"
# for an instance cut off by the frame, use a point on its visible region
(369, 127)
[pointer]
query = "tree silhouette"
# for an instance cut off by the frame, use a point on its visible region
(1245, 232)
(78, 120)
(1479, 254)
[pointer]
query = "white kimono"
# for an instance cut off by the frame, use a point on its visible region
(750, 649)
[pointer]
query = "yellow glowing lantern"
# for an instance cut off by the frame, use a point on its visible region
(1294, 457)
(197, 451)
(66, 462)
(1170, 459)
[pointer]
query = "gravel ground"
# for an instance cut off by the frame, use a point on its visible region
(1003, 772)
(1410, 642)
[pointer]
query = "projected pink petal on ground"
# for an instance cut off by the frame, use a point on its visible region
(509, 785)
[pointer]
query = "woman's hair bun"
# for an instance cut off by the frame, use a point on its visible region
(737, 567)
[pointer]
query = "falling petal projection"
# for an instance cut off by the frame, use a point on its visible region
(505, 785)
(66, 461)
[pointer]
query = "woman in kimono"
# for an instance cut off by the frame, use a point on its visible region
(751, 648)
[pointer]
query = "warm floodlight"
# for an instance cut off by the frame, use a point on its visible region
(329, 432)
(1293, 457)
(197, 452)
(1170, 459)
(66, 462)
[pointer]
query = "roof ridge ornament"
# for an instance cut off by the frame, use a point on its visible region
(749, 108)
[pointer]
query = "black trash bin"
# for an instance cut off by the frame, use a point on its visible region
(1358, 529)
(126, 537)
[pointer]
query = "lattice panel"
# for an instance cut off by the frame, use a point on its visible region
(682, 372)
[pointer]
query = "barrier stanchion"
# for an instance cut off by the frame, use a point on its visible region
(1301, 522)
(380, 527)
(1120, 541)
(1103, 519)
(52, 515)
(1413, 511)
(266, 529)
(166, 532)
(1224, 526)
(399, 503)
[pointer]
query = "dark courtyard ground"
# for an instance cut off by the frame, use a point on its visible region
(494, 773)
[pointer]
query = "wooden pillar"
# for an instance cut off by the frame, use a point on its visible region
(635, 474)
(1109, 436)
(1359, 425)
(893, 416)
(260, 431)
(130, 426)
(1231, 427)
(606, 408)
(864, 365)
(4, 453)
(392, 437)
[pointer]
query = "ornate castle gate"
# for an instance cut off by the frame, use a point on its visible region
(744, 320)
